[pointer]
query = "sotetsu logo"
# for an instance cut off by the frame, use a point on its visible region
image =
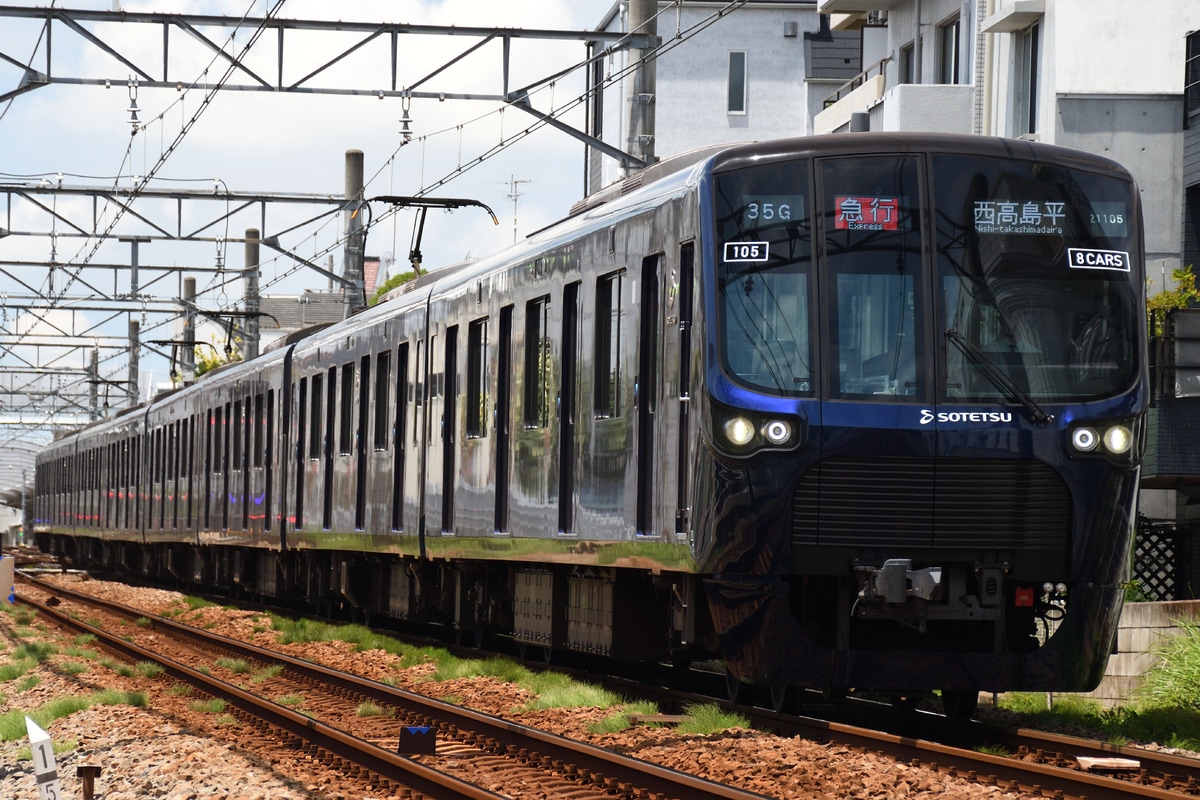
(976, 417)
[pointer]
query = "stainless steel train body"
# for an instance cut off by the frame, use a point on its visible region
(803, 405)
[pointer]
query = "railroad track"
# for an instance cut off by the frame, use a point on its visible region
(508, 755)
(1042, 763)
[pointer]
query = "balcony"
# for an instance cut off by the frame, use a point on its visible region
(1014, 15)
(945, 108)
(843, 6)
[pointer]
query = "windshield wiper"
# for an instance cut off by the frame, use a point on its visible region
(997, 376)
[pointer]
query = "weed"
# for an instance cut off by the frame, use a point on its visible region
(993, 750)
(615, 723)
(708, 718)
(148, 669)
(124, 670)
(235, 665)
(369, 709)
(115, 697)
(214, 706)
(266, 673)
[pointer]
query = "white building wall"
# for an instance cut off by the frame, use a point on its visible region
(1110, 80)
(691, 95)
(1118, 47)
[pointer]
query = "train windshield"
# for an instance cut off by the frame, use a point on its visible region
(1031, 294)
(765, 282)
(1036, 268)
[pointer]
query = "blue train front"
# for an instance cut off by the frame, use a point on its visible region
(926, 385)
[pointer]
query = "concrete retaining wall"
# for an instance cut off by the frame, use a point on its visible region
(1142, 626)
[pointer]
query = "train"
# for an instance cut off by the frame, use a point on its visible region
(841, 412)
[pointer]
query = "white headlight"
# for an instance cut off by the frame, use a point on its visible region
(1118, 439)
(740, 431)
(1085, 439)
(777, 431)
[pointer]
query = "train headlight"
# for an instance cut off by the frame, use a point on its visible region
(777, 432)
(1118, 439)
(739, 430)
(1085, 440)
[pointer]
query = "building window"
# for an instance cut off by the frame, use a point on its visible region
(907, 63)
(948, 51)
(737, 82)
(1191, 81)
(1027, 79)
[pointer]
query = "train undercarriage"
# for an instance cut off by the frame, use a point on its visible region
(623, 614)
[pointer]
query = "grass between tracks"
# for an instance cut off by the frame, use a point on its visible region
(549, 689)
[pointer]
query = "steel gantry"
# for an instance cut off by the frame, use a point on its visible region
(173, 27)
(50, 371)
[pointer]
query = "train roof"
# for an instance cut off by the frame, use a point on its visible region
(907, 142)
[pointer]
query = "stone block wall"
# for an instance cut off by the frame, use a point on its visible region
(1142, 626)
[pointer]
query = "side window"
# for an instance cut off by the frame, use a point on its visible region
(383, 383)
(237, 420)
(477, 399)
(607, 363)
(259, 423)
(537, 366)
(316, 406)
(346, 412)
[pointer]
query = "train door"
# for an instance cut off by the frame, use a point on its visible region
(361, 444)
(400, 437)
(449, 426)
(504, 381)
(645, 395)
(298, 456)
(255, 501)
(875, 298)
(567, 410)
(377, 474)
(684, 320)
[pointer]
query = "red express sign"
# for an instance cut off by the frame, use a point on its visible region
(860, 213)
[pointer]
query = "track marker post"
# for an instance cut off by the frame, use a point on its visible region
(43, 762)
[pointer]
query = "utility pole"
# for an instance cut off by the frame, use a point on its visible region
(643, 19)
(252, 298)
(135, 329)
(352, 261)
(94, 386)
(513, 194)
(187, 358)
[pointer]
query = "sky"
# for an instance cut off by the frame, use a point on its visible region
(286, 142)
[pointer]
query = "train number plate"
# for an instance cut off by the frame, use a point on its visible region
(747, 251)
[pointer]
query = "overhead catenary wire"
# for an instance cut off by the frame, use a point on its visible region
(502, 144)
